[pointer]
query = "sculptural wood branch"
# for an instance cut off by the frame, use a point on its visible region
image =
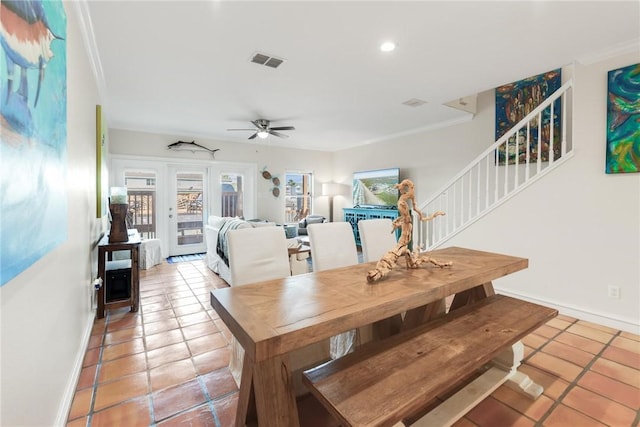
(404, 222)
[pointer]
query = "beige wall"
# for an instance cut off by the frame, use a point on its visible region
(261, 154)
(46, 311)
(578, 226)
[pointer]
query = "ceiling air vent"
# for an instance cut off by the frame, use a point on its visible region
(414, 102)
(266, 60)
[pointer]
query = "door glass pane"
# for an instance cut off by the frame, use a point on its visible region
(232, 194)
(141, 192)
(298, 196)
(189, 205)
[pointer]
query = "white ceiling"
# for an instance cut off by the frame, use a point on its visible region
(182, 67)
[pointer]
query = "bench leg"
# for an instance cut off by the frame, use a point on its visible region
(510, 359)
(455, 407)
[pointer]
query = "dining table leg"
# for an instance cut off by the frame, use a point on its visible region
(419, 315)
(246, 412)
(471, 295)
(274, 393)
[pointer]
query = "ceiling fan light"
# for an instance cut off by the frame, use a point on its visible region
(262, 133)
(388, 46)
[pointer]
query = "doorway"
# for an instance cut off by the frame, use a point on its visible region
(187, 209)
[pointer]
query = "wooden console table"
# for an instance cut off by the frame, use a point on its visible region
(105, 251)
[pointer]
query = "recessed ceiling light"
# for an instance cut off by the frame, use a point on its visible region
(387, 46)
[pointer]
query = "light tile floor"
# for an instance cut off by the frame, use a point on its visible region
(167, 366)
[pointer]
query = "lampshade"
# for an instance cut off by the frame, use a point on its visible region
(262, 133)
(118, 195)
(331, 189)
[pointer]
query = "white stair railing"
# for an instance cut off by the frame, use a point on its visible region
(501, 171)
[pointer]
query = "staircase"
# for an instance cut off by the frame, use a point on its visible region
(535, 146)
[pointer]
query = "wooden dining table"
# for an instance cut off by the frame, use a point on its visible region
(270, 319)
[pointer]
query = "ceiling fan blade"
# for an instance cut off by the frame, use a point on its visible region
(274, 133)
(253, 136)
(240, 129)
(283, 128)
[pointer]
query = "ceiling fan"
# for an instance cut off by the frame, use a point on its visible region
(263, 129)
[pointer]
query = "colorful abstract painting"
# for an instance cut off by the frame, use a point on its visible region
(33, 135)
(623, 120)
(514, 102)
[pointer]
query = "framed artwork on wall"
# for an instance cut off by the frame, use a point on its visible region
(33, 134)
(514, 101)
(623, 120)
(102, 181)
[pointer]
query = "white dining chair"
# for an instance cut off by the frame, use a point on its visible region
(377, 237)
(333, 246)
(256, 255)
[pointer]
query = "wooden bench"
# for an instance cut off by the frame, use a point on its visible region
(385, 382)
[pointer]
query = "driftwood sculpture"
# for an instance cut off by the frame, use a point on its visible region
(404, 222)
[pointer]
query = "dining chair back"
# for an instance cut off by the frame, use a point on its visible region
(377, 237)
(332, 245)
(257, 254)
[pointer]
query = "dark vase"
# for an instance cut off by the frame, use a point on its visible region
(118, 232)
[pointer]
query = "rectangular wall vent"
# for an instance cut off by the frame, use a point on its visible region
(266, 60)
(414, 102)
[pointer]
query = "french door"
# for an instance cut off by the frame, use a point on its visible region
(187, 209)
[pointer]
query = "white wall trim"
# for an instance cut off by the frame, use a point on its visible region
(466, 117)
(70, 390)
(181, 160)
(623, 324)
(629, 46)
(88, 35)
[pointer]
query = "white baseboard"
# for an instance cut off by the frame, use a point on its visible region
(627, 325)
(70, 389)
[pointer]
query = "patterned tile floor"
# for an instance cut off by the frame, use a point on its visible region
(167, 366)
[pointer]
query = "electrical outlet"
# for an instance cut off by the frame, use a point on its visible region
(613, 291)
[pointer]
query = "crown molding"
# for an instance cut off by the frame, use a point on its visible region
(86, 28)
(629, 46)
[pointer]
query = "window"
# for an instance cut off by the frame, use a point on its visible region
(141, 194)
(232, 194)
(298, 196)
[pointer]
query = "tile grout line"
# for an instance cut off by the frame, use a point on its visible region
(573, 384)
(94, 386)
(152, 415)
(198, 376)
